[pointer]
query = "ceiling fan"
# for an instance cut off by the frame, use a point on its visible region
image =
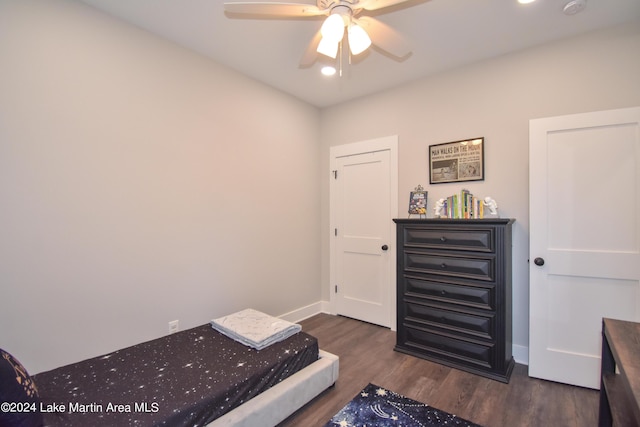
(342, 18)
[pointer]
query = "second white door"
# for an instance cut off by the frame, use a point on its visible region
(585, 238)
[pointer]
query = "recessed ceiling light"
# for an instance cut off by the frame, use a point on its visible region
(525, 1)
(574, 7)
(328, 70)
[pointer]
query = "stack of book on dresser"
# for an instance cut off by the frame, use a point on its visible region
(464, 206)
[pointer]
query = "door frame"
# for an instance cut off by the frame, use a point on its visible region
(388, 143)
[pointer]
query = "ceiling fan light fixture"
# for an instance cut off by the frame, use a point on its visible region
(359, 40)
(328, 47)
(333, 27)
(332, 31)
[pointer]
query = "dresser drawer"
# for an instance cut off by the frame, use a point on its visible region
(452, 348)
(453, 321)
(469, 267)
(471, 296)
(481, 240)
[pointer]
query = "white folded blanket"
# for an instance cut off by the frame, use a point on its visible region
(254, 328)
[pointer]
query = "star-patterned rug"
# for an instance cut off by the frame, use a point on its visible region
(376, 406)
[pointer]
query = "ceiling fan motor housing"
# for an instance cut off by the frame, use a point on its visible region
(332, 4)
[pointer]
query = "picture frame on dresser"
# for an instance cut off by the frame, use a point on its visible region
(418, 202)
(454, 293)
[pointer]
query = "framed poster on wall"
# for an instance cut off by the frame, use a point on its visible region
(457, 161)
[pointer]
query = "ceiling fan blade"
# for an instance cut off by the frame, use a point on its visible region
(310, 54)
(384, 37)
(378, 4)
(274, 9)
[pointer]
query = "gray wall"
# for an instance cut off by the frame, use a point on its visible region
(141, 183)
(494, 99)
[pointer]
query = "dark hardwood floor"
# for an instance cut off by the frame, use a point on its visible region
(367, 356)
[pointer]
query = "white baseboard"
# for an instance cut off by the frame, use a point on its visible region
(300, 314)
(520, 354)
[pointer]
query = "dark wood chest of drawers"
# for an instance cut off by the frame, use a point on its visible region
(454, 293)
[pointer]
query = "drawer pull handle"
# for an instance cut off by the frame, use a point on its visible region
(443, 265)
(443, 293)
(443, 239)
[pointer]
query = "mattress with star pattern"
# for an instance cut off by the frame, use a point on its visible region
(188, 378)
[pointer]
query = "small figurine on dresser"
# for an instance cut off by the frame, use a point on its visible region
(438, 210)
(491, 204)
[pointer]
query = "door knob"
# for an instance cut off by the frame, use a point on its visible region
(385, 247)
(539, 261)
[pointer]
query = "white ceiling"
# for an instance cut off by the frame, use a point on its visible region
(443, 34)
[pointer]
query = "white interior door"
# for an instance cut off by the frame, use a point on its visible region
(584, 238)
(363, 249)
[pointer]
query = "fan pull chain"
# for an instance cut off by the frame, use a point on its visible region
(340, 65)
